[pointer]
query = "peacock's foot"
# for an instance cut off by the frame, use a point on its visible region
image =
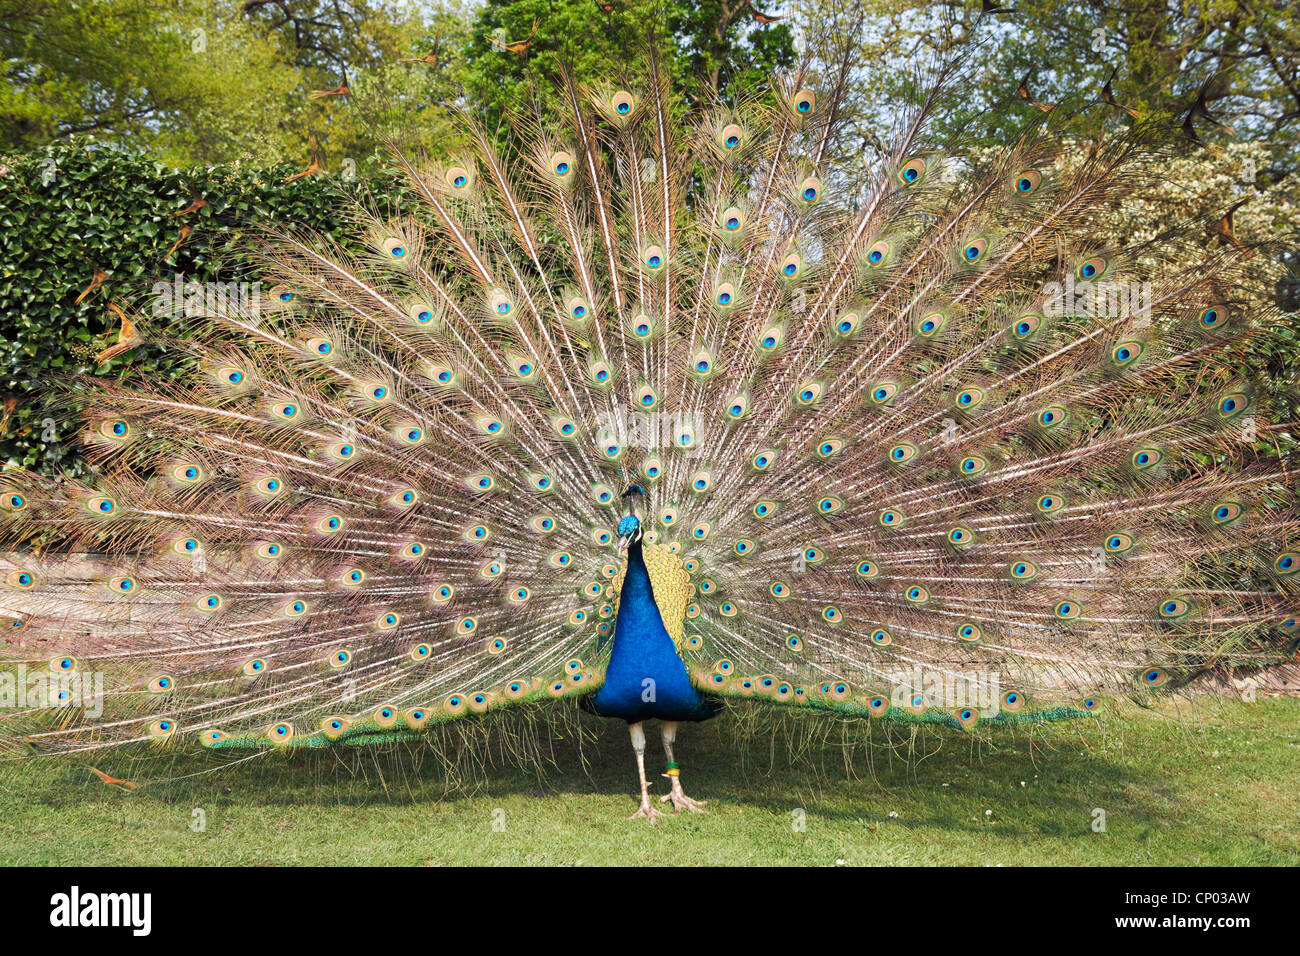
(647, 811)
(680, 800)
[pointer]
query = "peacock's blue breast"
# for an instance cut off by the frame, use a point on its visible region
(646, 677)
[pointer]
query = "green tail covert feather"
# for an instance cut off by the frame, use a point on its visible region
(658, 409)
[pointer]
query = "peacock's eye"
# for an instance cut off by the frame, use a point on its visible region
(1050, 503)
(975, 250)
(622, 102)
(268, 550)
(1233, 404)
(892, 518)
(878, 252)
(1092, 268)
(1052, 416)
(1147, 458)
(421, 314)
(1225, 513)
(1126, 353)
(912, 172)
(115, 428)
(1173, 608)
(457, 177)
(1023, 570)
(883, 393)
(1025, 326)
(1028, 181)
(1214, 317)
(1119, 543)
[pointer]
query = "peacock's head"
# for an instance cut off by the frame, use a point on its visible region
(629, 529)
(629, 532)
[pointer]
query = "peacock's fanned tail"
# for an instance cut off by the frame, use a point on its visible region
(907, 435)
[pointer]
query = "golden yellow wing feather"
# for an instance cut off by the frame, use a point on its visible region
(670, 583)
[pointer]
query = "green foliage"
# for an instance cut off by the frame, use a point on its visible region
(69, 211)
(1159, 55)
(712, 45)
(180, 79)
(211, 81)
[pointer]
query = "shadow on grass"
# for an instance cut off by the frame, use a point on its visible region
(751, 757)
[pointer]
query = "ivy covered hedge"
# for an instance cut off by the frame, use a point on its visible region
(72, 211)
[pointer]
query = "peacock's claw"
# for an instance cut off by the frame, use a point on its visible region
(647, 811)
(680, 800)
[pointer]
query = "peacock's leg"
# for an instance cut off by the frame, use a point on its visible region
(680, 800)
(638, 744)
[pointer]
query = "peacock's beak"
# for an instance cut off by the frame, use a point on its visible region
(623, 542)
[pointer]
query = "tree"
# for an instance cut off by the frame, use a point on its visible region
(1233, 66)
(197, 82)
(713, 45)
(179, 79)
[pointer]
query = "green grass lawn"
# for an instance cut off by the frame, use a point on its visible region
(1216, 784)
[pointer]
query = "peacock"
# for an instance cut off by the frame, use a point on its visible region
(659, 407)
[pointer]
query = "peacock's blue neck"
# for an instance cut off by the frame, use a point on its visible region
(645, 677)
(639, 621)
